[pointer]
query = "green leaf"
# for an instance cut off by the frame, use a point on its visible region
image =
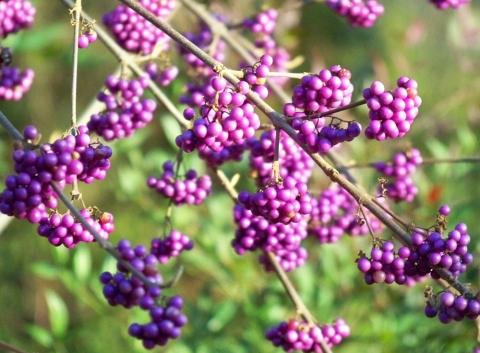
(224, 313)
(171, 128)
(467, 139)
(41, 335)
(57, 313)
(41, 38)
(44, 270)
(61, 254)
(82, 261)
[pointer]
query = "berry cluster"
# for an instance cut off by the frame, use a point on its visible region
(401, 165)
(226, 117)
(391, 114)
(85, 39)
(134, 33)
(288, 259)
(357, 12)
(335, 212)
(67, 231)
(399, 169)
(255, 232)
(446, 4)
(193, 191)
(449, 307)
(166, 323)
(229, 153)
(295, 335)
(262, 26)
(320, 138)
(318, 93)
(450, 253)
(29, 193)
(94, 157)
(384, 265)
(127, 290)
(170, 246)
(125, 111)
(279, 202)
(14, 83)
(162, 77)
(15, 15)
(293, 160)
(262, 23)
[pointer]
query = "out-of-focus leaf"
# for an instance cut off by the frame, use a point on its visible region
(57, 313)
(467, 138)
(41, 335)
(171, 128)
(223, 314)
(61, 254)
(45, 270)
(82, 262)
(35, 40)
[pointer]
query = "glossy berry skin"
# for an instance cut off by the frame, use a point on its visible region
(446, 4)
(83, 41)
(294, 335)
(170, 246)
(391, 113)
(67, 231)
(359, 13)
(133, 32)
(334, 214)
(125, 111)
(14, 83)
(293, 160)
(280, 202)
(15, 15)
(255, 232)
(192, 190)
(127, 290)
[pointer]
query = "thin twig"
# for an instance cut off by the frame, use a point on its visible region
(232, 39)
(294, 297)
(227, 185)
(104, 244)
(129, 60)
(76, 33)
(276, 153)
(11, 130)
(332, 111)
(241, 74)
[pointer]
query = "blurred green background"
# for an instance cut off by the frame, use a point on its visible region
(50, 298)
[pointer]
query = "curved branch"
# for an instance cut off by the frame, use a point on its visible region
(279, 121)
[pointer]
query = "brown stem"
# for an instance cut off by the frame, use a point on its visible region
(101, 242)
(293, 295)
(11, 348)
(279, 120)
(128, 60)
(227, 185)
